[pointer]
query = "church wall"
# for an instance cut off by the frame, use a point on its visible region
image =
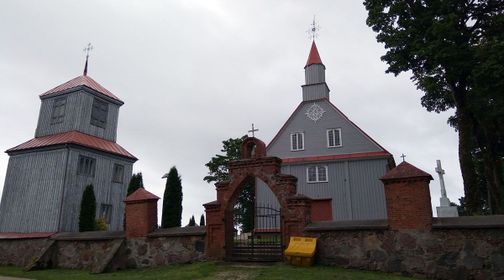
(77, 117)
(32, 192)
(106, 191)
(315, 136)
(353, 186)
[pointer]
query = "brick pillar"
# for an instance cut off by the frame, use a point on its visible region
(141, 213)
(408, 197)
(297, 217)
(215, 236)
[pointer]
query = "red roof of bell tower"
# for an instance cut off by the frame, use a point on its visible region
(314, 57)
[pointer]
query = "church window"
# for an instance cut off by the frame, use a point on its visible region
(316, 174)
(297, 141)
(118, 173)
(99, 113)
(58, 112)
(86, 166)
(105, 212)
(334, 137)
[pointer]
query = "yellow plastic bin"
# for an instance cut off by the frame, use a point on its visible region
(301, 251)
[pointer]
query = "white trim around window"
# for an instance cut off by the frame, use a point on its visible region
(297, 141)
(334, 138)
(317, 174)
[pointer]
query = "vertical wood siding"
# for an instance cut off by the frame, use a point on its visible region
(314, 74)
(77, 117)
(105, 190)
(353, 186)
(315, 92)
(32, 192)
(353, 140)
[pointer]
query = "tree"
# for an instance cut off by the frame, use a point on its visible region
(202, 220)
(455, 52)
(135, 183)
(172, 200)
(218, 171)
(87, 214)
(192, 222)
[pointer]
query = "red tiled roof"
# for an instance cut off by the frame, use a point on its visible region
(314, 57)
(77, 138)
(82, 81)
(141, 195)
(336, 157)
(405, 170)
(23, 235)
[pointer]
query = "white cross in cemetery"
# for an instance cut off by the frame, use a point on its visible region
(445, 209)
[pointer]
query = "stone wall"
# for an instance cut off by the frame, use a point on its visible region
(449, 251)
(105, 251)
(22, 252)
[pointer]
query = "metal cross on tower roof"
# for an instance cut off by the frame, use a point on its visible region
(87, 49)
(403, 156)
(313, 31)
(253, 130)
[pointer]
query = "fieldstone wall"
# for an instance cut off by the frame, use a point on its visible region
(159, 251)
(442, 253)
(22, 252)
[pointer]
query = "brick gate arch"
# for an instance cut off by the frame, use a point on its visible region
(295, 208)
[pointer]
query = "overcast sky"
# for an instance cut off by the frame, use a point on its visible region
(193, 73)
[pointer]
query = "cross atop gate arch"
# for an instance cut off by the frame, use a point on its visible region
(295, 208)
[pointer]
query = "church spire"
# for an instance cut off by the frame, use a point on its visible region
(313, 57)
(87, 50)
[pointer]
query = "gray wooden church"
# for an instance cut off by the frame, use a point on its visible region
(74, 145)
(336, 163)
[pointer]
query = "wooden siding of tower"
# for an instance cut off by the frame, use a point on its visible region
(315, 137)
(106, 191)
(353, 186)
(32, 192)
(77, 116)
(314, 74)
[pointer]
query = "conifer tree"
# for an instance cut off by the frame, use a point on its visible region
(172, 200)
(87, 210)
(192, 222)
(135, 183)
(202, 220)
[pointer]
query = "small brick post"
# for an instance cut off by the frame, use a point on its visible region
(297, 217)
(141, 213)
(408, 198)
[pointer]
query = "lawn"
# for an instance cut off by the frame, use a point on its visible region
(206, 270)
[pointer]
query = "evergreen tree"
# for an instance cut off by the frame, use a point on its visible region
(202, 220)
(172, 200)
(192, 222)
(135, 183)
(87, 210)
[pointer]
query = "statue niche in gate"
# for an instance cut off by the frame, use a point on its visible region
(254, 163)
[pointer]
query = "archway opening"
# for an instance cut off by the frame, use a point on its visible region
(256, 228)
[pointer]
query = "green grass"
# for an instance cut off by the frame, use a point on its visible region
(207, 271)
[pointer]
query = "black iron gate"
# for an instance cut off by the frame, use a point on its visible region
(262, 239)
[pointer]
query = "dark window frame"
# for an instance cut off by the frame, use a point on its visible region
(86, 166)
(99, 113)
(58, 110)
(118, 173)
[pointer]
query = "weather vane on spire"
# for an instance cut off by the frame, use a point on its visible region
(87, 49)
(314, 29)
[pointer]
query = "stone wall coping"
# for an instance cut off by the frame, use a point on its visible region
(22, 235)
(178, 231)
(348, 225)
(469, 222)
(89, 235)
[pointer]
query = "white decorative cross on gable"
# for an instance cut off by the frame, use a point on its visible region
(315, 112)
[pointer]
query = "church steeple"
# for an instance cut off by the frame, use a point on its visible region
(315, 86)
